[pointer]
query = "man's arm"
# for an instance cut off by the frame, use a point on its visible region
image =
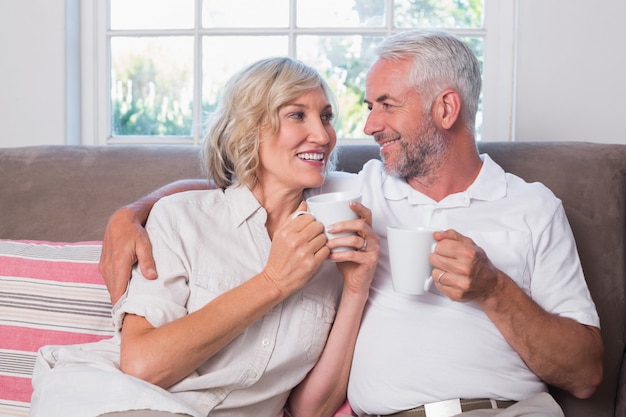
(559, 350)
(125, 240)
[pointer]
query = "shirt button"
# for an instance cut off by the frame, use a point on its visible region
(223, 286)
(265, 343)
(251, 374)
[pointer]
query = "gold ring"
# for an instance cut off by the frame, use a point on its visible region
(364, 245)
(441, 275)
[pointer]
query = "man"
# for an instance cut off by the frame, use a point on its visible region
(508, 310)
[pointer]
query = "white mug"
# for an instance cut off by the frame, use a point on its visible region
(332, 208)
(409, 252)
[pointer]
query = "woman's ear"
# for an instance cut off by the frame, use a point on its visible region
(448, 108)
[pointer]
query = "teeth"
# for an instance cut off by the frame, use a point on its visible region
(389, 143)
(311, 156)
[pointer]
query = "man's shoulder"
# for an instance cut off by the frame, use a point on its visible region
(338, 181)
(515, 184)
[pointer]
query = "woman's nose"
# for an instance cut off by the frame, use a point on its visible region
(320, 134)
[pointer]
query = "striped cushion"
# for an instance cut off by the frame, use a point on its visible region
(50, 293)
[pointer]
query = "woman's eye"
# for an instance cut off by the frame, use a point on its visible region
(297, 115)
(328, 117)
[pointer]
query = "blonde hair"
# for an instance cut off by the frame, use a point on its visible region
(249, 103)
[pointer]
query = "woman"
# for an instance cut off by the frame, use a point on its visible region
(239, 321)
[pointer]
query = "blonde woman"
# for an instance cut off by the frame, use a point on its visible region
(246, 315)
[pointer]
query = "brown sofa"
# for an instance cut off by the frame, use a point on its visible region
(67, 193)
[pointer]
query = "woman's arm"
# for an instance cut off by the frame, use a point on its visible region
(297, 251)
(324, 389)
(149, 353)
(125, 240)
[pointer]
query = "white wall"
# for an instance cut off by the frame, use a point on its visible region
(571, 82)
(32, 72)
(571, 66)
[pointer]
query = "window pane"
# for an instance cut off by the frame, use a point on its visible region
(151, 85)
(478, 47)
(152, 14)
(343, 61)
(439, 13)
(224, 55)
(245, 13)
(341, 13)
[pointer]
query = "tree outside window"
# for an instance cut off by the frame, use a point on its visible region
(168, 66)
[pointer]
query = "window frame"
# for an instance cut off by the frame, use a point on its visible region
(499, 34)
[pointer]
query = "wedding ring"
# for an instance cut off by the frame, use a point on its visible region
(298, 213)
(364, 245)
(441, 275)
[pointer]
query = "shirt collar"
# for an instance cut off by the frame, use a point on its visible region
(244, 205)
(490, 184)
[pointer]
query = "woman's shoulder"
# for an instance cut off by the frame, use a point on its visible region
(188, 200)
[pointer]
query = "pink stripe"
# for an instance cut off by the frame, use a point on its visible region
(62, 271)
(30, 340)
(45, 242)
(16, 389)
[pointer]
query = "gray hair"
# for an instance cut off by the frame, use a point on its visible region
(440, 61)
(250, 103)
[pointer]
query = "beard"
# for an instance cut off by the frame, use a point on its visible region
(421, 153)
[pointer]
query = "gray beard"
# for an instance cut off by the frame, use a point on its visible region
(422, 153)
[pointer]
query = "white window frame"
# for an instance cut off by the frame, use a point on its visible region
(499, 33)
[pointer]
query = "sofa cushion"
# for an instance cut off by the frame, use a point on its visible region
(50, 293)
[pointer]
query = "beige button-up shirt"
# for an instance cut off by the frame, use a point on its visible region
(204, 243)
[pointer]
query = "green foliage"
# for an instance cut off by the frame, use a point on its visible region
(147, 102)
(151, 94)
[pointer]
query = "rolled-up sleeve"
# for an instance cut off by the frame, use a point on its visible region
(164, 299)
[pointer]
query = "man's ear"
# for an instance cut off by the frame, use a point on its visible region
(448, 108)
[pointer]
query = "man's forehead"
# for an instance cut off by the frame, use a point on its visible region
(386, 85)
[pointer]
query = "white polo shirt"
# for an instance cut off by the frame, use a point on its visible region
(417, 349)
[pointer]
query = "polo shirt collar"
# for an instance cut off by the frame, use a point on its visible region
(490, 184)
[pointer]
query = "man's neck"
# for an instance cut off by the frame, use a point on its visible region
(454, 176)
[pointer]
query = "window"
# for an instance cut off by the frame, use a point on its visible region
(151, 69)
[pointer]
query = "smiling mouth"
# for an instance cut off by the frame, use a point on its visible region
(310, 156)
(384, 143)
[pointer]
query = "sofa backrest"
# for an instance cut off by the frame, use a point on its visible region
(590, 179)
(67, 193)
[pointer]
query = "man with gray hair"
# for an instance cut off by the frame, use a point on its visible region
(509, 309)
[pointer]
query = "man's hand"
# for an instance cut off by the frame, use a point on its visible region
(559, 350)
(125, 241)
(462, 271)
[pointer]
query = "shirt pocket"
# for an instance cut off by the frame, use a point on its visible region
(509, 251)
(204, 287)
(317, 316)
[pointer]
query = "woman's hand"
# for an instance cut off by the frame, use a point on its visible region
(324, 388)
(297, 252)
(357, 266)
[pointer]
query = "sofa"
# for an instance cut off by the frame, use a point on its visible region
(55, 201)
